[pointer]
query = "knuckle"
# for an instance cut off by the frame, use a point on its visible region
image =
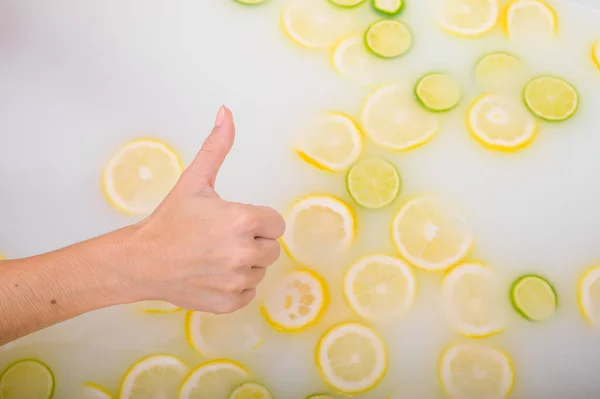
(244, 256)
(244, 217)
(235, 284)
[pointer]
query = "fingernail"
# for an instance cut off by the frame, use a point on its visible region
(220, 116)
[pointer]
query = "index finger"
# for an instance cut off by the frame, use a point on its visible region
(271, 224)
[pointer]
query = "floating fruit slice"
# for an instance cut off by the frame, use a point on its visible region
(158, 375)
(388, 7)
(320, 396)
(354, 61)
(501, 123)
(214, 379)
(140, 175)
(596, 53)
(333, 143)
(552, 99)
(95, 391)
(347, 3)
(500, 73)
(469, 17)
(388, 38)
(438, 92)
(297, 301)
(250, 2)
(473, 301)
(431, 234)
(589, 296)
(27, 379)
(251, 390)
(534, 298)
(530, 19)
(393, 120)
(474, 370)
(352, 358)
(373, 183)
(380, 287)
(157, 307)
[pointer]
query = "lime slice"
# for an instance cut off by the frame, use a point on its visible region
(250, 2)
(533, 297)
(388, 38)
(347, 3)
(373, 183)
(438, 92)
(499, 73)
(388, 7)
(27, 379)
(251, 390)
(550, 98)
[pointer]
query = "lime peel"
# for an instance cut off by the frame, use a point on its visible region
(388, 7)
(524, 300)
(22, 385)
(438, 92)
(388, 38)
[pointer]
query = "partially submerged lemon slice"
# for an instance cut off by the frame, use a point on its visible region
(351, 58)
(588, 296)
(251, 390)
(530, 19)
(159, 375)
(500, 72)
(95, 391)
(469, 17)
(213, 379)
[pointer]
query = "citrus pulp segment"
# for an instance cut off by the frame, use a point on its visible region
(530, 19)
(251, 390)
(27, 379)
(388, 38)
(373, 183)
(469, 17)
(155, 306)
(215, 379)
(533, 297)
(152, 376)
(499, 72)
(95, 391)
(347, 3)
(551, 99)
(388, 7)
(588, 296)
(438, 92)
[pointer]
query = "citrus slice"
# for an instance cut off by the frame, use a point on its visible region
(500, 122)
(354, 61)
(473, 301)
(251, 390)
(27, 379)
(333, 143)
(552, 99)
(352, 358)
(530, 19)
(388, 7)
(431, 234)
(438, 92)
(318, 229)
(373, 183)
(469, 17)
(474, 370)
(250, 2)
(95, 391)
(533, 297)
(380, 287)
(157, 375)
(347, 3)
(393, 120)
(297, 301)
(140, 175)
(596, 53)
(499, 73)
(388, 38)
(315, 24)
(214, 379)
(157, 307)
(320, 396)
(589, 296)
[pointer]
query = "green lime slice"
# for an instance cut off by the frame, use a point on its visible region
(251, 390)
(438, 92)
(551, 99)
(388, 38)
(388, 7)
(373, 183)
(27, 379)
(250, 2)
(320, 396)
(533, 297)
(346, 3)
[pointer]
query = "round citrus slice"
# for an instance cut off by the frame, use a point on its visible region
(347, 3)
(297, 301)
(320, 396)
(157, 307)
(214, 379)
(473, 301)
(373, 183)
(250, 2)
(533, 297)
(388, 38)
(530, 19)
(353, 60)
(431, 234)
(469, 17)
(251, 390)
(333, 143)
(552, 99)
(140, 175)
(95, 391)
(438, 92)
(596, 53)
(27, 379)
(500, 122)
(589, 296)
(379, 287)
(474, 370)
(500, 73)
(388, 7)
(393, 120)
(158, 375)
(352, 358)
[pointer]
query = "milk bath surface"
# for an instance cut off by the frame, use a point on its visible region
(81, 80)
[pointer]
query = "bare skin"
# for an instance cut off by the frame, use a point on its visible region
(195, 250)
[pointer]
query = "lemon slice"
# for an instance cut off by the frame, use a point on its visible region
(334, 142)
(393, 120)
(388, 7)
(320, 396)
(438, 92)
(530, 19)
(352, 358)
(212, 380)
(388, 38)
(474, 370)
(251, 390)
(469, 17)
(157, 307)
(297, 301)
(533, 297)
(157, 375)
(473, 300)
(589, 296)
(499, 73)
(347, 3)
(95, 391)
(27, 379)
(250, 2)
(501, 123)
(140, 175)
(596, 53)
(319, 228)
(552, 99)
(316, 24)
(373, 183)
(353, 60)
(380, 287)
(431, 234)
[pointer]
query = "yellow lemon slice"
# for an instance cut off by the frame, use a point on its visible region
(469, 17)
(431, 234)
(95, 391)
(474, 370)
(393, 120)
(589, 296)
(320, 396)
(352, 358)
(500, 72)
(380, 287)
(27, 379)
(530, 19)
(158, 375)
(596, 53)
(140, 175)
(297, 301)
(501, 122)
(156, 307)
(550, 98)
(212, 380)
(251, 390)
(332, 142)
(352, 60)
(318, 229)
